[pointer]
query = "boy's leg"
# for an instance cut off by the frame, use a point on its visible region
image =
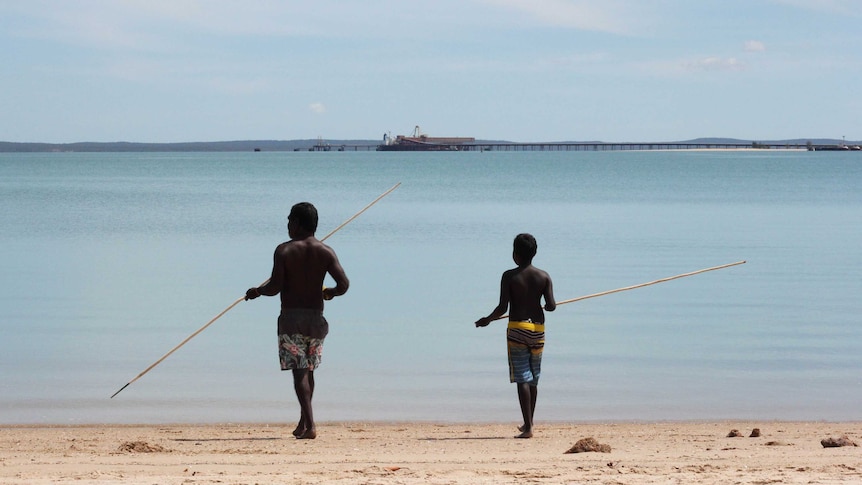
(526, 401)
(534, 393)
(536, 371)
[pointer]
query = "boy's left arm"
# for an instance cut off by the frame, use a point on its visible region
(550, 302)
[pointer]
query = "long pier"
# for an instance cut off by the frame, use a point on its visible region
(592, 147)
(577, 146)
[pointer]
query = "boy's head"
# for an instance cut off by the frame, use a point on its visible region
(304, 215)
(524, 248)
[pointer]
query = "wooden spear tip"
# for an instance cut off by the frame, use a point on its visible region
(121, 390)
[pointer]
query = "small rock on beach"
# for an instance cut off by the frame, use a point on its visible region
(140, 447)
(837, 442)
(589, 444)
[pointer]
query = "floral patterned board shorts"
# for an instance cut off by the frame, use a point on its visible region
(299, 351)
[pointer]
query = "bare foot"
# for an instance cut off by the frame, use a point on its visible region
(308, 434)
(522, 427)
(300, 428)
(525, 434)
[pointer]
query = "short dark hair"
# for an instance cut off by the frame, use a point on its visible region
(525, 246)
(305, 215)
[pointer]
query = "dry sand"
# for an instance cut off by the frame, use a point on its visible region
(407, 453)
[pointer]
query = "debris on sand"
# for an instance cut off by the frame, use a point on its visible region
(140, 447)
(837, 442)
(755, 433)
(589, 444)
(734, 433)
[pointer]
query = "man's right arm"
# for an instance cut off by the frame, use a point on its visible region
(273, 286)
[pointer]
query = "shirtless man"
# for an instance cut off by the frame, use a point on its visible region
(523, 288)
(299, 268)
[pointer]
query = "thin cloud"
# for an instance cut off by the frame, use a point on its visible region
(317, 108)
(609, 16)
(684, 68)
(754, 46)
(843, 7)
(714, 64)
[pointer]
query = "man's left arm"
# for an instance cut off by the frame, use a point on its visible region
(341, 282)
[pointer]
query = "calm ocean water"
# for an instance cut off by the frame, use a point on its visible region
(110, 260)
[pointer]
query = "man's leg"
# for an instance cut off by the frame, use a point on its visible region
(303, 384)
(301, 426)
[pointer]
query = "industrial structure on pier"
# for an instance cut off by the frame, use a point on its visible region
(419, 141)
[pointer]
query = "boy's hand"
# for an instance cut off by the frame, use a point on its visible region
(328, 294)
(483, 322)
(251, 294)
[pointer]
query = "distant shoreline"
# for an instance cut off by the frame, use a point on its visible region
(370, 145)
(700, 144)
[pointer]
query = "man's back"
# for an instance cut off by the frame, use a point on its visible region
(303, 264)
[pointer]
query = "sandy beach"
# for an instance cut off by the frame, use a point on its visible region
(406, 453)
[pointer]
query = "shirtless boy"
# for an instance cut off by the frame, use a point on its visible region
(299, 268)
(522, 288)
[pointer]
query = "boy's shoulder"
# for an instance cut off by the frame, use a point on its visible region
(536, 272)
(541, 271)
(513, 271)
(528, 269)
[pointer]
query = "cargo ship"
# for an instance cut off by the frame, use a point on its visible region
(420, 142)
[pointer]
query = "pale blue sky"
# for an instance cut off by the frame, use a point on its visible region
(518, 70)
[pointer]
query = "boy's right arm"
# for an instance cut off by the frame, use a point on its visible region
(502, 306)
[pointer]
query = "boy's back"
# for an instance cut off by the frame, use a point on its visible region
(526, 287)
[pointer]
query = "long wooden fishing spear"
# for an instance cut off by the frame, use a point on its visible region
(242, 298)
(641, 285)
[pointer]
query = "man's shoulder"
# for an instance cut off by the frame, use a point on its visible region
(305, 246)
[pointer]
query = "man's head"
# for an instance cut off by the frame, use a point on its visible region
(524, 248)
(304, 216)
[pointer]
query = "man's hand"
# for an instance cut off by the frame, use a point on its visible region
(251, 294)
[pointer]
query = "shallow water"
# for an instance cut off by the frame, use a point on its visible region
(110, 260)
